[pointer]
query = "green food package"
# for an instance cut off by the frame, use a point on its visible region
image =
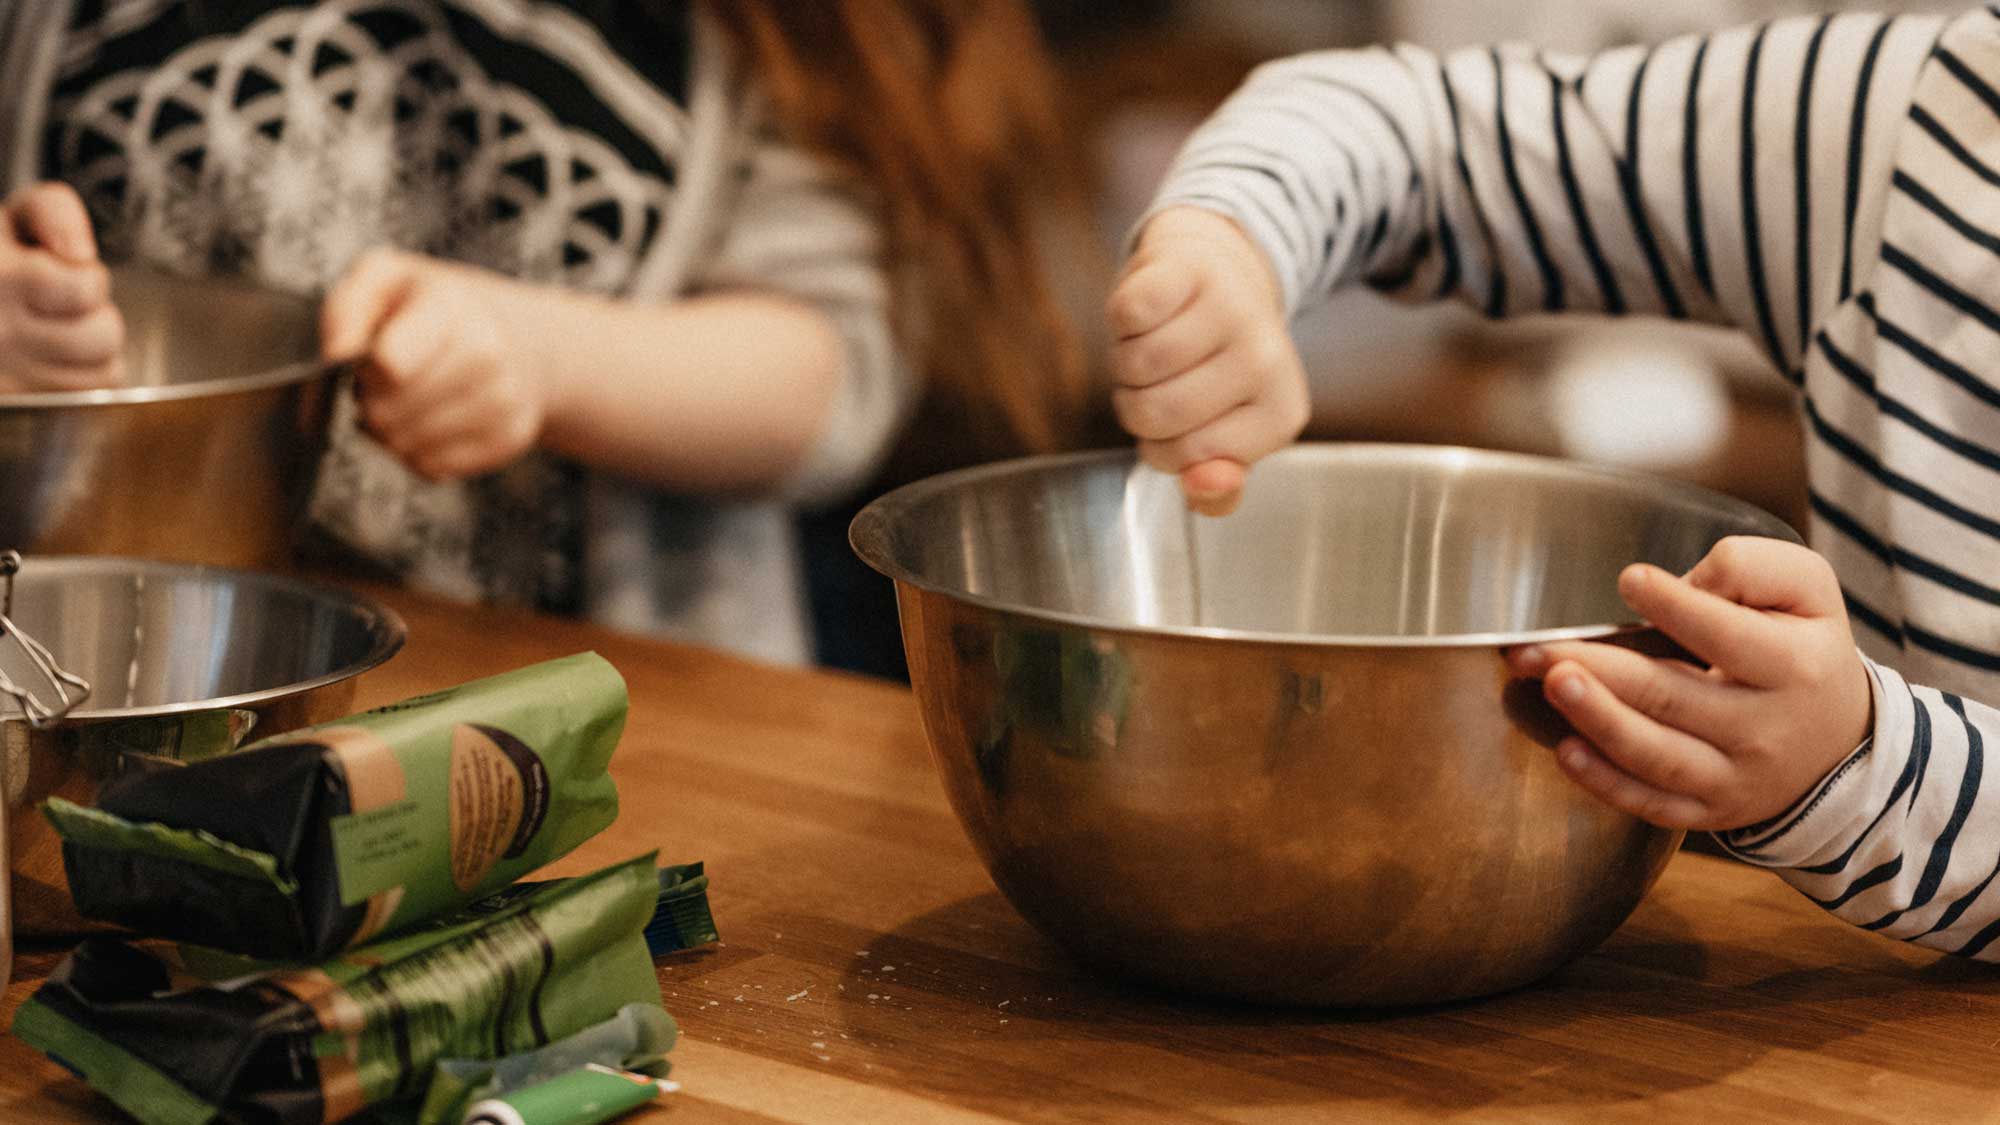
(171, 1043)
(636, 1040)
(328, 837)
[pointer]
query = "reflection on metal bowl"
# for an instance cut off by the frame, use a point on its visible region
(184, 662)
(1277, 756)
(208, 453)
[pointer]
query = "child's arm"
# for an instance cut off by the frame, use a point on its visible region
(1899, 836)
(1699, 178)
(1902, 838)
(779, 374)
(803, 233)
(1438, 178)
(1702, 179)
(462, 371)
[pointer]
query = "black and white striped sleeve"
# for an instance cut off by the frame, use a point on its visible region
(1891, 841)
(1732, 178)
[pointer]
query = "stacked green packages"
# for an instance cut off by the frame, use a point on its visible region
(336, 835)
(174, 1043)
(396, 836)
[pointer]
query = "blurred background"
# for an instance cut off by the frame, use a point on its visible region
(1692, 403)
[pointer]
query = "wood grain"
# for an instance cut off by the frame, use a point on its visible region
(869, 972)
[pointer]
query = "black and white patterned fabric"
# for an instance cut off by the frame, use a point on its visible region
(605, 145)
(279, 141)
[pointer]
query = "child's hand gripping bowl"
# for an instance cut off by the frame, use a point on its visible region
(1784, 700)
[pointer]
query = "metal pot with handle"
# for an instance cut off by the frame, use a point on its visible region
(206, 454)
(116, 665)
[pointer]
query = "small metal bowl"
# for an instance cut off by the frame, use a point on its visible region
(1278, 756)
(185, 662)
(206, 455)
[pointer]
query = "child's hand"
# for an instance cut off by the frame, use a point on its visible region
(445, 381)
(1208, 378)
(1785, 700)
(58, 328)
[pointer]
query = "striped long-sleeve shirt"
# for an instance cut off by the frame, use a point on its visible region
(1830, 186)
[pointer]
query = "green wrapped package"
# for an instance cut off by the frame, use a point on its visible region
(300, 1046)
(636, 1040)
(681, 918)
(589, 1095)
(325, 838)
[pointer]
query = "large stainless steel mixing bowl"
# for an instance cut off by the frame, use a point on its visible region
(1277, 756)
(207, 454)
(184, 662)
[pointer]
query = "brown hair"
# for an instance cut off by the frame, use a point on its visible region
(947, 108)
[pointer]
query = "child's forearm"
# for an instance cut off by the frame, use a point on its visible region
(779, 371)
(725, 392)
(1328, 161)
(1512, 180)
(1904, 838)
(804, 254)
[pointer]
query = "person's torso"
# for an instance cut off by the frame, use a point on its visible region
(277, 140)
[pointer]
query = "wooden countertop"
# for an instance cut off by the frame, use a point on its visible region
(869, 972)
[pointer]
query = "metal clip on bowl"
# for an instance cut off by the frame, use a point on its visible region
(70, 690)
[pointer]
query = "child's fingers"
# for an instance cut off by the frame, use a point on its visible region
(1744, 642)
(1244, 435)
(51, 287)
(52, 215)
(412, 348)
(1189, 339)
(1660, 756)
(484, 445)
(1153, 293)
(361, 301)
(395, 404)
(1670, 692)
(89, 341)
(1598, 776)
(1769, 574)
(1214, 488)
(456, 462)
(459, 462)
(45, 378)
(1183, 403)
(413, 435)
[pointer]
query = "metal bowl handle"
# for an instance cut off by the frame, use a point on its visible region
(70, 690)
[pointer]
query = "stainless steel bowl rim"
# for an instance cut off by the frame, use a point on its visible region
(384, 623)
(170, 392)
(869, 537)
